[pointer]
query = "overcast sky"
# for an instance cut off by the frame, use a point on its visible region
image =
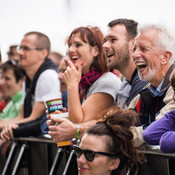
(57, 18)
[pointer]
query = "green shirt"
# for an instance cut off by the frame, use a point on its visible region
(13, 107)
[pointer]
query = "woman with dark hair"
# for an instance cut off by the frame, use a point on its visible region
(12, 77)
(107, 148)
(91, 87)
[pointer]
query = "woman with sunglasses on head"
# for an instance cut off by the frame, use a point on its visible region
(91, 87)
(107, 148)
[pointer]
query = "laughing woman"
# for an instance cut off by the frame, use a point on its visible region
(107, 148)
(91, 87)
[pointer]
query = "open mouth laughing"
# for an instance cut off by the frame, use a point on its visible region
(74, 58)
(110, 55)
(140, 64)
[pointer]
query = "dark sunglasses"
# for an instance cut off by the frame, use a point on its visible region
(26, 48)
(89, 154)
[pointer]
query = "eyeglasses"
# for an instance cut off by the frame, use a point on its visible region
(26, 48)
(10, 53)
(89, 154)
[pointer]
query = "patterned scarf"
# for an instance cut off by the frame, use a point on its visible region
(86, 81)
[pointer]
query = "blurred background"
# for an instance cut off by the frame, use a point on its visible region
(57, 18)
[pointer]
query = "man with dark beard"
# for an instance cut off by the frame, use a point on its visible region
(118, 47)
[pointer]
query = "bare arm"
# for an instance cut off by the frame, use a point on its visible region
(66, 130)
(37, 111)
(72, 77)
(93, 105)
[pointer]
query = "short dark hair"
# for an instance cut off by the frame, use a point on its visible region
(130, 24)
(42, 40)
(19, 72)
(59, 56)
(11, 48)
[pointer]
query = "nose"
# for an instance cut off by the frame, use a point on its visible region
(71, 49)
(106, 45)
(136, 54)
(3, 85)
(2, 81)
(81, 159)
(20, 51)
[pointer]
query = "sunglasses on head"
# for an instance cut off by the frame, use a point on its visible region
(89, 154)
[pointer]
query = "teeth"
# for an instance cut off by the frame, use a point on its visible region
(109, 55)
(74, 58)
(140, 64)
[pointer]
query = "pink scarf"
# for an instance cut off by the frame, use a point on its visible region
(86, 81)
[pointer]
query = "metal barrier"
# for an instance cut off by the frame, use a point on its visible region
(158, 163)
(35, 156)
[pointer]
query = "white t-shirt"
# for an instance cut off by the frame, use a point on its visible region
(47, 83)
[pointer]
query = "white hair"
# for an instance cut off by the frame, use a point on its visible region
(165, 40)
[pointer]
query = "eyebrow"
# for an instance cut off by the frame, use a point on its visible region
(110, 36)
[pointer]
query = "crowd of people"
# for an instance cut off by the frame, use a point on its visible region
(118, 89)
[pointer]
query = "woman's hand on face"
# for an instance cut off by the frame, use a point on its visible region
(72, 75)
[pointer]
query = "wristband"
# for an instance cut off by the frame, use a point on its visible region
(78, 132)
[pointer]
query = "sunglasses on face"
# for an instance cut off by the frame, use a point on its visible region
(26, 48)
(89, 154)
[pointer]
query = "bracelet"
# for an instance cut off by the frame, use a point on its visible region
(78, 132)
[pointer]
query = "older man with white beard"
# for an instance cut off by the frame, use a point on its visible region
(153, 54)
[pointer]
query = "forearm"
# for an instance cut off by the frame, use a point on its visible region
(66, 130)
(74, 105)
(3, 124)
(85, 126)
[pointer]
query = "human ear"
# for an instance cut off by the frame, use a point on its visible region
(95, 51)
(44, 53)
(114, 164)
(131, 44)
(165, 57)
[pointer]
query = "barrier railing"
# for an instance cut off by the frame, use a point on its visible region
(35, 156)
(158, 163)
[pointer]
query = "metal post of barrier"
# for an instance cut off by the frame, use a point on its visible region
(19, 158)
(68, 162)
(55, 161)
(9, 157)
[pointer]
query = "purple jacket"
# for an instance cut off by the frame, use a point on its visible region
(162, 132)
